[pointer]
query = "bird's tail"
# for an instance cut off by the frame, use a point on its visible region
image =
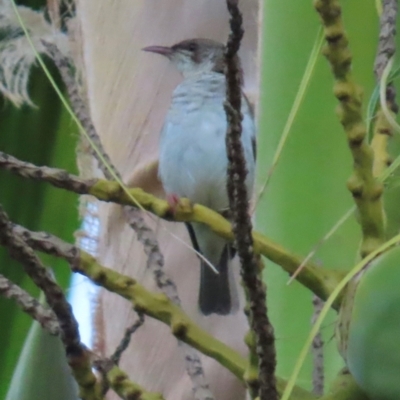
(218, 294)
(215, 295)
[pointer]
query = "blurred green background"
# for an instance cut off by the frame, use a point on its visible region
(44, 136)
(307, 193)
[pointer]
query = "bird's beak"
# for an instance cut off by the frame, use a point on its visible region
(163, 50)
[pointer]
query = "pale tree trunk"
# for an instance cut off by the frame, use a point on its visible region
(129, 93)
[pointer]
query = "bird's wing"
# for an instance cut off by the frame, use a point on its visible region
(251, 108)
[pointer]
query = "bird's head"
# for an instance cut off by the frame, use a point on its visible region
(193, 56)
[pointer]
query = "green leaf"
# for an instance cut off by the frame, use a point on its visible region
(42, 372)
(42, 136)
(373, 348)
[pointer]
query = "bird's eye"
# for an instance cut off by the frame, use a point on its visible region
(192, 47)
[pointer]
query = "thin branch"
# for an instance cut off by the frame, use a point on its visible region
(56, 177)
(194, 369)
(386, 49)
(366, 189)
(76, 353)
(134, 217)
(320, 281)
(65, 65)
(239, 206)
(155, 258)
(123, 345)
(387, 37)
(318, 376)
(30, 305)
(116, 356)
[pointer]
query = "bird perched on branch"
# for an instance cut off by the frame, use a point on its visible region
(193, 161)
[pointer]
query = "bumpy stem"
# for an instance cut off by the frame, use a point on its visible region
(119, 381)
(30, 305)
(317, 350)
(365, 188)
(155, 305)
(239, 206)
(77, 354)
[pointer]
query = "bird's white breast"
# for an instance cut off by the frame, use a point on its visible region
(193, 159)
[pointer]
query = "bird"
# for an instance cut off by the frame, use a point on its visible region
(193, 161)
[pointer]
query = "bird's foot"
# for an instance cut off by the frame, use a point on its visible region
(173, 201)
(178, 205)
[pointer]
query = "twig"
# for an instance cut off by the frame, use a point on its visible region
(123, 345)
(30, 305)
(195, 371)
(57, 177)
(386, 49)
(387, 37)
(77, 355)
(134, 217)
(64, 65)
(116, 356)
(366, 189)
(155, 259)
(238, 203)
(320, 281)
(317, 351)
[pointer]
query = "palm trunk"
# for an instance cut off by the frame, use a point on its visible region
(129, 92)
